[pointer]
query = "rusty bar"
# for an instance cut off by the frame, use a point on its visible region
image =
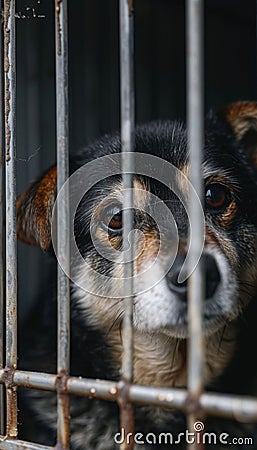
(63, 289)
(128, 168)
(8, 444)
(107, 390)
(195, 114)
(76, 386)
(239, 408)
(1, 224)
(10, 176)
(35, 380)
(127, 146)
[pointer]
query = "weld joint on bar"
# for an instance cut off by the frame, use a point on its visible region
(123, 391)
(59, 446)
(193, 406)
(126, 412)
(61, 382)
(8, 378)
(62, 391)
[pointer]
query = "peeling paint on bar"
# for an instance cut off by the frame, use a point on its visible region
(10, 174)
(195, 123)
(63, 285)
(127, 147)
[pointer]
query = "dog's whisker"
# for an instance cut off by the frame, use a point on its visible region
(120, 330)
(245, 292)
(174, 352)
(222, 336)
(115, 322)
(116, 303)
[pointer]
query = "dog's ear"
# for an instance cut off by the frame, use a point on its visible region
(34, 210)
(242, 117)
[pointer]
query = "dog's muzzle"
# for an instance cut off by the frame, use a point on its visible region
(211, 272)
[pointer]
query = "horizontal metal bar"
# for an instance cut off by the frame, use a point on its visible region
(9, 444)
(235, 407)
(37, 380)
(76, 386)
(160, 397)
(106, 390)
(242, 409)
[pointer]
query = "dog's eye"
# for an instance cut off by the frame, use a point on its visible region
(217, 197)
(111, 219)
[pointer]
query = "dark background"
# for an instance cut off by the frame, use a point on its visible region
(230, 75)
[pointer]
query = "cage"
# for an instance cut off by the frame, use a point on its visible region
(71, 72)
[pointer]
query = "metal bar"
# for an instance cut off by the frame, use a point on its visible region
(11, 251)
(242, 409)
(239, 408)
(1, 224)
(77, 386)
(127, 147)
(63, 289)
(195, 108)
(8, 444)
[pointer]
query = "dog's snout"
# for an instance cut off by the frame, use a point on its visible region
(212, 277)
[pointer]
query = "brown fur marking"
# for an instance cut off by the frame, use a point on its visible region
(34, 208)
(225, 246)
(241, 116)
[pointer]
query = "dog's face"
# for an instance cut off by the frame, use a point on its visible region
(230, 208)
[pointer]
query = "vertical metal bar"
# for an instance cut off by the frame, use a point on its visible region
(255, 47)
(1, 224)
(63, 289)
(195, 113)
(10, 175)
(128, 168)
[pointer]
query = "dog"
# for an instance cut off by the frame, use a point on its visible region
(160, 323)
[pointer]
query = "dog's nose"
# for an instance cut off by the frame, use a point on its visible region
(211, 272)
